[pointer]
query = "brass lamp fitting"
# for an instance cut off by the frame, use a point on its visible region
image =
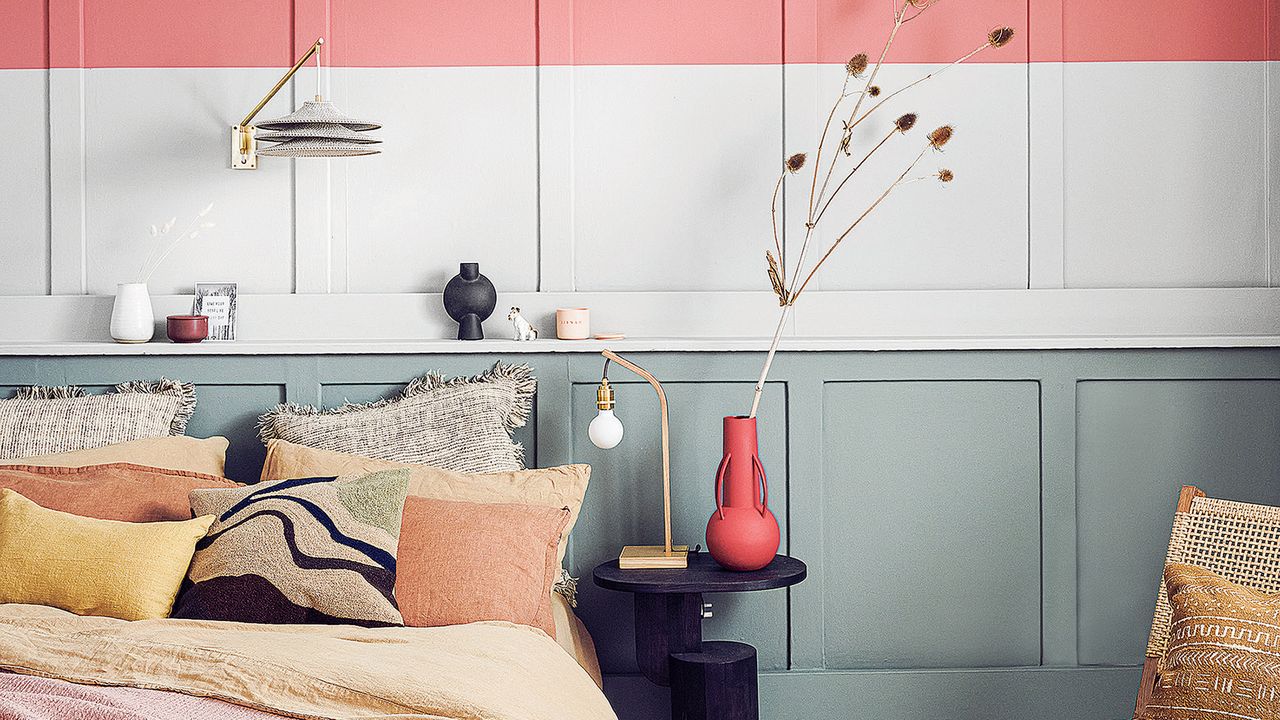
(604, 395)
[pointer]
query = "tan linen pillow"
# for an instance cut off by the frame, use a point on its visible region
(125, 570)
(207, 456)
(1221, 658)
(461, 423)
(116, 491)
(41, 420)
(463, 562)
(557, 487)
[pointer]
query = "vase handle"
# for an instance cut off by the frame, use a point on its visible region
(763, 488)
(724, 465)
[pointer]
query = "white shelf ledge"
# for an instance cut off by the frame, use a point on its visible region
(511, 347)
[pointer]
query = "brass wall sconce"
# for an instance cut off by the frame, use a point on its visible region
(605, 432)
(317, 129)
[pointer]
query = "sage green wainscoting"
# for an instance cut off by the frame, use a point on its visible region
(984, 529)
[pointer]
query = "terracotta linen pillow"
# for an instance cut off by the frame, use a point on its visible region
(43, 420)
(557, 487)
(125, 570)
(1221, 659)
(462, 424)
(115, 491)
(207, 456)
(462, 562)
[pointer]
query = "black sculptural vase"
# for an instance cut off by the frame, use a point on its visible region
(469, 298)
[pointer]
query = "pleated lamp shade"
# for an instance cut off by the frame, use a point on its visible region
(317, 129)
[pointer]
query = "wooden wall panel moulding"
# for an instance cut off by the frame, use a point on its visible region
(67, 225)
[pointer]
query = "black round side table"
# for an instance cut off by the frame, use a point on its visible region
(712, 680)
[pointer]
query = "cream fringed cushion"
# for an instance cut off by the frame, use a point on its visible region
(1223, 653)
(462, 424)
(44, 420)
(125, 570)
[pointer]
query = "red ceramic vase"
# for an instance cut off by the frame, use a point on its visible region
(742, 534)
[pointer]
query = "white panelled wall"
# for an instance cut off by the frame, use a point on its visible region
(653, 180)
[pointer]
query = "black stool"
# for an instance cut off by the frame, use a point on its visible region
(718, 683)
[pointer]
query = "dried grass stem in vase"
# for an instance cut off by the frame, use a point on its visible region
(790, 279)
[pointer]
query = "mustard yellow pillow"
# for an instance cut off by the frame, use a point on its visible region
(130, 571)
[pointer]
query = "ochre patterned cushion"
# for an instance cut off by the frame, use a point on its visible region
(311, 550)
(1223, 658)
(462, 424)
(43, 420)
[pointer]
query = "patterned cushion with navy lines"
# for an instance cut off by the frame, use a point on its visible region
(310, 550)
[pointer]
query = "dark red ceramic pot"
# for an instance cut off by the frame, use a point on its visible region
(187, 328)
(742, 533)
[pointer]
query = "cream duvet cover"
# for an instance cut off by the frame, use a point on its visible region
(490, 670)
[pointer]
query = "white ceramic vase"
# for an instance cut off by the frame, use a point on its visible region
(132, 320)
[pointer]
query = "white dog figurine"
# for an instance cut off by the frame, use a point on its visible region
(524, 331)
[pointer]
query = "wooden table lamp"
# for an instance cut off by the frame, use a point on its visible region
(606, 432)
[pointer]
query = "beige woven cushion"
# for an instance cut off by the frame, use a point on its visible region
(462, 424)
(1223, 657)
(207, 456)
(44, 420)
(564, 486)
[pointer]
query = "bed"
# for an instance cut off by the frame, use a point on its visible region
(65, 665)
(55, 663)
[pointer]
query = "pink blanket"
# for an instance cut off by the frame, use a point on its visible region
(23, 697)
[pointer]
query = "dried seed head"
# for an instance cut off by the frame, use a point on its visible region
(856, 65)
(874, 91)
(795, 162)
(941, 136)
(1000, 36)
(945, 175)
(906, 122)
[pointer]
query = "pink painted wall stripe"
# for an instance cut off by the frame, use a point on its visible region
(412, 33)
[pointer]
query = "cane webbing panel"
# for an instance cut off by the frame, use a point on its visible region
(1239, 541)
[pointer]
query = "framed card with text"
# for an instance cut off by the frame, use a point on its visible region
(217, 300)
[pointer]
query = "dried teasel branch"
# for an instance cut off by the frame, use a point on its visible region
(792, 165)
(857, 62)
(919, 6)
(997, 37)
(899, 15)
(773, 211)
(900, 126)
(836, 243)
(899, 18)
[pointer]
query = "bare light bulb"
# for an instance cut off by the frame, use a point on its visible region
(605, 430)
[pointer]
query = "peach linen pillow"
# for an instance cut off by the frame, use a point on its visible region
(463, 562)
(115, 491)
(557, 487)
(176, 452)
